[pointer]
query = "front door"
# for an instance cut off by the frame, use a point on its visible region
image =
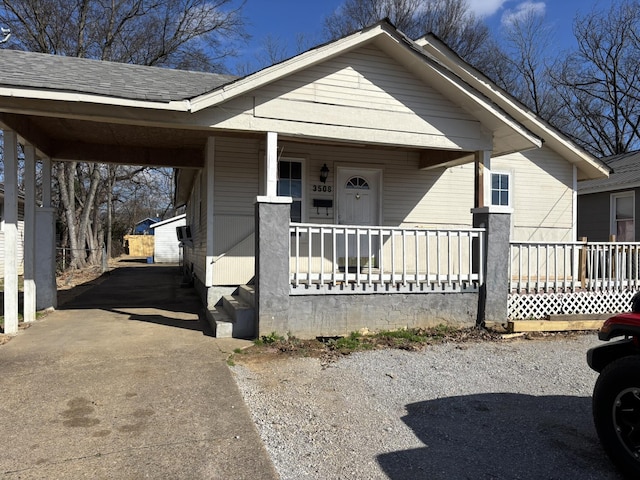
(358, 205)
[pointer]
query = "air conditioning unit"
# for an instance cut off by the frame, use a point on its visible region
(184, 235)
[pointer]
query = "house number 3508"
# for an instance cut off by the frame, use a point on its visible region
(322, 188)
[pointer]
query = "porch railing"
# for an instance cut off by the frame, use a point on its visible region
(612, 266)
(573, 266)
(377, 259)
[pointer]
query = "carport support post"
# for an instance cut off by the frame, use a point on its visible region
(272, 264)
(45, 275)
(493, 295)
(10, 229)
(29, 233)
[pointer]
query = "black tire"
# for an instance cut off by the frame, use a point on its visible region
(616, 413)
(635, 303)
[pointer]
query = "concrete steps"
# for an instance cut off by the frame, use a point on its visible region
(248, 294)
(234, 315)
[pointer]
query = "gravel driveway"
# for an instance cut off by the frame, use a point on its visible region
(514, 409)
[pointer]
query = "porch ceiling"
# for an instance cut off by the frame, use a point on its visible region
(84, 140)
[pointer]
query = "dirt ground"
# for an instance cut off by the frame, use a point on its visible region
(329, 350)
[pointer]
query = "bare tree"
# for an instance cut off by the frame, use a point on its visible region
(193, 34)
(527, 41)
(450, 20)
(599, 83)
(275, 49)
(354, 15)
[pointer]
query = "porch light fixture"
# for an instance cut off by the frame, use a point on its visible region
(324, 173)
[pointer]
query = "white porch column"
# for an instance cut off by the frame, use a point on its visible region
(482, 178)
(10, 228)
(210, 155)
(271, 172)
(29, 233)
(45, 238)
(574, 206)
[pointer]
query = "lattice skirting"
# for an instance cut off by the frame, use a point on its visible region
(540, 306)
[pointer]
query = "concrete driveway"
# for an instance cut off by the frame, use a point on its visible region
(125, 381)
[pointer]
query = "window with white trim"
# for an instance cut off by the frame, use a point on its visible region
(290, 184)
(501, 189)
(623, 216)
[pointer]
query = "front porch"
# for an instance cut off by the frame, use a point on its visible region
(315, 280)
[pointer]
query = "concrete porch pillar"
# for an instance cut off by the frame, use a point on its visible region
(272, 216)
(45, 273)
(494, 292)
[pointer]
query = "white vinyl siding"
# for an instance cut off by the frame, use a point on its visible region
(20, 259)
(166, 245)
(542, 195)
(368, 79)
(237, 159)
(236, 180)
(364, 95)
(20, 249)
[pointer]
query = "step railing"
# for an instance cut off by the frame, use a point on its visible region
(370, 259)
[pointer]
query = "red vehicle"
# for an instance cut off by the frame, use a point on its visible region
(616, 395)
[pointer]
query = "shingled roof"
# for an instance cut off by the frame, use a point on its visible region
(625, 174)
(120, 80)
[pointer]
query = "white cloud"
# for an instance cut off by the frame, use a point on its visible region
(523, 10)
(485, 8)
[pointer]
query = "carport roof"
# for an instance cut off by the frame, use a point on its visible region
(120, 80)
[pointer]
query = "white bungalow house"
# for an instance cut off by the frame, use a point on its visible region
(371, 182)
(398, 140)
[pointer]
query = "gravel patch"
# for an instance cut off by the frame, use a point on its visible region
(515, 409)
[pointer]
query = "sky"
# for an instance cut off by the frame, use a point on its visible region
(286, 19)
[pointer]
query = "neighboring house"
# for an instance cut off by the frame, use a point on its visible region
(607, 207)
(371, 182)
(143, 226)
(167, 248)
(20, 259)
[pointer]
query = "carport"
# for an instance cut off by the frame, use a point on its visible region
(73, 109)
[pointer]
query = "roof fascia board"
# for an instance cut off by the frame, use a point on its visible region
(168, 220)
(440, 52)
(96, 113)
(34, 94)
(279, 70)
